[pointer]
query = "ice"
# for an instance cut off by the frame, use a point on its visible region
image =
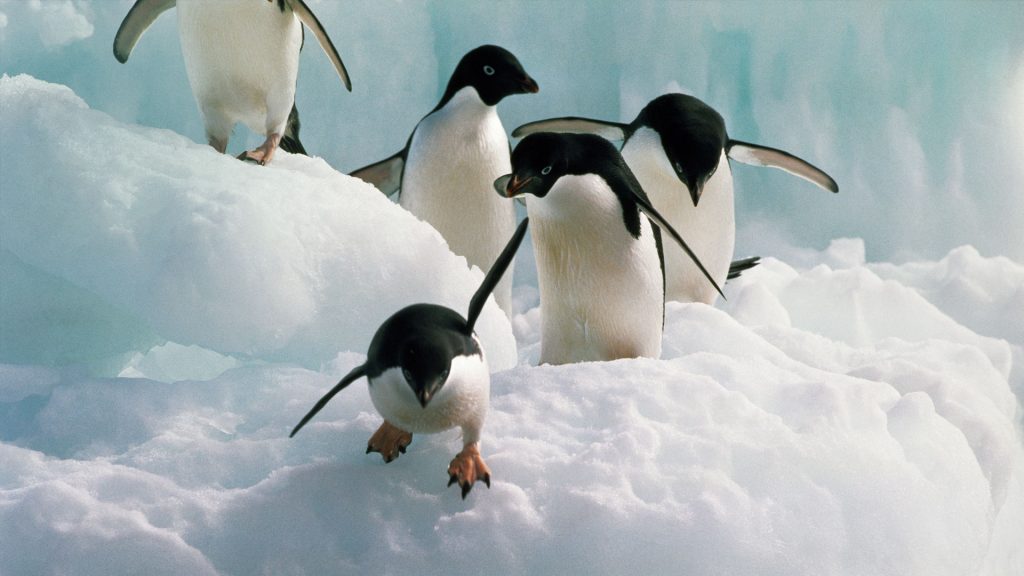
(911, 107)
(291, 262)
(168, 314)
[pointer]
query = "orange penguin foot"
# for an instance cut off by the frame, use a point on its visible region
(467, 467)
(264, 153)
(389, 440)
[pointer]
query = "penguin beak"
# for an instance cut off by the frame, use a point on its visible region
(695, 191)
(529, 85)
(428, 391)
(424, 396)
(510, 185)
(646, 207)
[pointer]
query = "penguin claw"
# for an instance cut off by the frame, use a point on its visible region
(264, 152)
(466, 468)
(389, 440)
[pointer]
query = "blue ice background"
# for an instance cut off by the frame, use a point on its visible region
(916, 108)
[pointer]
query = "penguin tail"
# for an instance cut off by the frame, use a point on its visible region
(290, 140)
(738, 267)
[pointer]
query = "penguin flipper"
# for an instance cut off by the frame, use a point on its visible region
(355, 374)
(756, 155)
(309, 19)
(574, 125)
(290, 139)
(476, 305)
(386, 175)
(738, 267)
(139, 18)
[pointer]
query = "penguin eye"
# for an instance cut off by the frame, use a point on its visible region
(678, 167)
(407, 374)
(444, 376)
(488, 70)
(545, 170)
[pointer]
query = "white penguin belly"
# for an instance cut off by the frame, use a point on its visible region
(242, 59)
(462, 401)
(708, 228)
(600, 288)
(454, 158)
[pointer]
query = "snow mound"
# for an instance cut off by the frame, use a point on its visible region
(291, 262)
(836, 417)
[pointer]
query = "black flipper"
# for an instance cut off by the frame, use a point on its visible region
(290, 140)
(476, 305)
(355, 374)
(386, 175)
(648, 209)
(142, 14)
(574, 125)
(738, 267)
(309, 19)
(757, 155)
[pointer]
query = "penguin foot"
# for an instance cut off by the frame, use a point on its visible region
(389, 440)
(467, 467)
(264, 153)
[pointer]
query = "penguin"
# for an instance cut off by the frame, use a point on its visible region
(427, 373)
(242, 60)
(679, 150)
(448, 164)
(600, 265)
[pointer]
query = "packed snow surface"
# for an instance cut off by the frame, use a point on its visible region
(170, 313)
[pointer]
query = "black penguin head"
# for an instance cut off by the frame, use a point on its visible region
(537, 163)
(542, 158)
(692, 136)
(425, 366)
(494, 72)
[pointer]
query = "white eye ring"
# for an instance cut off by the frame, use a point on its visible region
(679, 167)
(407, 374)
(488, 70)
(546, 170)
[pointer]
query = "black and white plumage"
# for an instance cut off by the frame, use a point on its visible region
(448, 164)
(598, 248)
(427, 373)
(678, 148)
(242, 60)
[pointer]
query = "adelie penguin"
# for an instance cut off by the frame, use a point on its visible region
(598, 248)
(428, 373)
(454, 154)
(679, 151)
(242, 60)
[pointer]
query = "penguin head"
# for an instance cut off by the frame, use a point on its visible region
(425, 366)
(541, 159)
(494, 72)
(542, 162)
(692, 137)
(537, 163)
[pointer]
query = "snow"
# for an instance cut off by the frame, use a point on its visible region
(167, 314)
(915, 104)
(170, 313)
(293, 263)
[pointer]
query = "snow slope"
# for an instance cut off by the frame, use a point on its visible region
(293, 262)
(833, 417)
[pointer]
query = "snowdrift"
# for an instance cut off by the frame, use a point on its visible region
(836, 417)
(291, 262)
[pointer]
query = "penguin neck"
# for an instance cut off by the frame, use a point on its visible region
(465, 98)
